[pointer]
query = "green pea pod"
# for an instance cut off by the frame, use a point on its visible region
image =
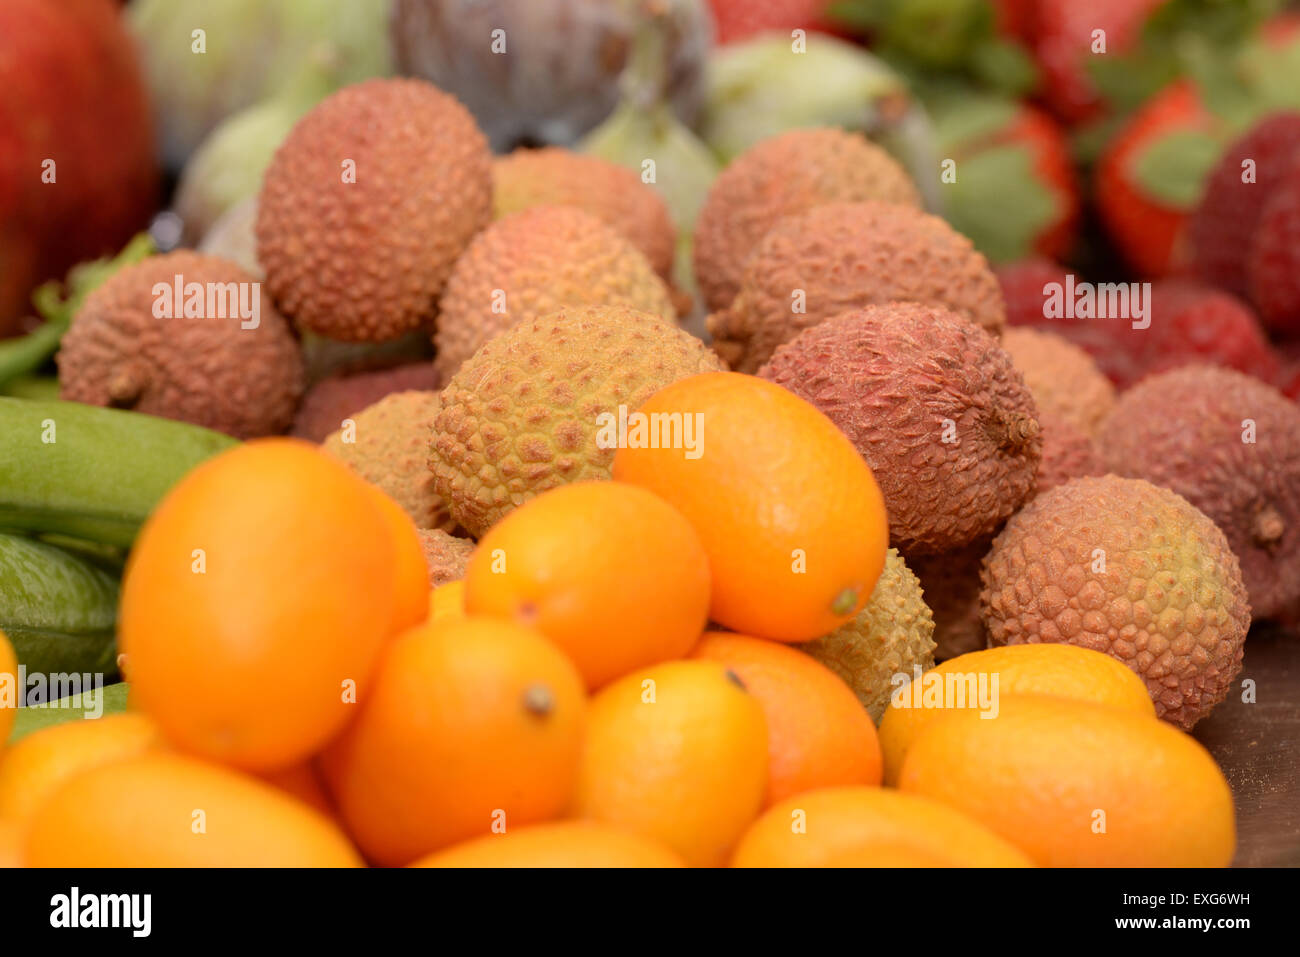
(85, 472)
(57, 610)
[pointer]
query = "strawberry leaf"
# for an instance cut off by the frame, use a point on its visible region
(1000, 203)
(1173, 169)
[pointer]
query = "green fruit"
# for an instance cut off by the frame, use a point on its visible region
(249, 50)
(555, 72)
(57, 610)
(227, 168)
(91, 473)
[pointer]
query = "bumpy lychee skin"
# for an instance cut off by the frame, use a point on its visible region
(524, 414)
(1068, 453)
(891, 635)
(613, 194)
(446, 555)
(934, 406)
(366, 206)
(1130, 569)
(387, 444)
(780, 176)
(1230, 445)
(951, 585)
(212, 372)
(1063, 378)
(843, 256)
(533, 263)
(334, 398)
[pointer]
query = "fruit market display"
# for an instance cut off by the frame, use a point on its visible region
(647, 433)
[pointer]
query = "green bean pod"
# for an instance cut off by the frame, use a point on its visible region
(90, 473)
(58, 611)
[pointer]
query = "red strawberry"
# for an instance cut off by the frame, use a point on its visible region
(1015, 19)
(1189, 323)
(1273, 267)
(71, 92)
(1064, 30)
(1016, 193)
(1055, 168)
(1151, 175)
(1022, 287)
(740, 19)
(1220, 230)
(1195, 323)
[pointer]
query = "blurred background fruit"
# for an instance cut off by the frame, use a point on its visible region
(554, 85)
(765, 86)
(70, 82)
(248, 51)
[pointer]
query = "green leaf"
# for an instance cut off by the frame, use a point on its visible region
(937, 33)
(964, 120)
(1173, 169)
(1000, 203)
(1127, 80)
(112, 699)
(1004, 66)
(25, 354)
(860, 16)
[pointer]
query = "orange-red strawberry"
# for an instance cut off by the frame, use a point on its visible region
(1151, 175)
(1064, 41)
(1016, 193)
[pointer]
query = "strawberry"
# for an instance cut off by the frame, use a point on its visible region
(1016, 194)
(1064, 47)
(1273, 264)
(740, 19)
(1189, 323)
(1151, 174)
(70, 92)
(1015, 19)
(1023, 285)
(1222, 226)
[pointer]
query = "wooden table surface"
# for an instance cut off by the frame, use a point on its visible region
(1258, 747)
